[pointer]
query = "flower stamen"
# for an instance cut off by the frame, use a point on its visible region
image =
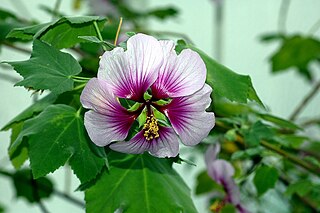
(151, 128)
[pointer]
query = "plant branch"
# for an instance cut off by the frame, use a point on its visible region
(56, 192)
(305, 200)
(283, 14)
(312, 168)
(8, 44)
(305, 101)
(56, 9)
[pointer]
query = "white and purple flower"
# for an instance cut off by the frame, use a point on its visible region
(221, 171)
(153, 67)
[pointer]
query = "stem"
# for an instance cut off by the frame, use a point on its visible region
(80, 78)
(305, 101)
(80, 86)
(310, 167)
(15, 47)
(35, 192)
(56, 9)
(99, 34)
(118, 32)
(283, 14)
(218, 30)
(294, 159)
(315, 27)
(9, 78)
(286, 181)
(56, 192)
(311, 122)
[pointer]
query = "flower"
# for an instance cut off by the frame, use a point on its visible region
(221, 171)
(175, 86)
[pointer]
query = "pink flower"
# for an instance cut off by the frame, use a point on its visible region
(152, 66)
(221, 171)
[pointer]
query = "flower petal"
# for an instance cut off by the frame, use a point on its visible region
(132, 72)
(180, 75)
(189, 118)
(108, 121)
(220, 171)
(212, 154)
(166, 145)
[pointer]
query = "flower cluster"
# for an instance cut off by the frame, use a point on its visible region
(159, 81)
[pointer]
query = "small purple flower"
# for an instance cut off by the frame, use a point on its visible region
(176, 88)
(221, 171)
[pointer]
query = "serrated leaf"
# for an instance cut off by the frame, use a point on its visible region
(62, 33)
(34, 109)
(32, 190)
(138, 184)
(26, 33)
(296, 52)
(48, 68)
(265, 179)
(224, 81)
(56, 136)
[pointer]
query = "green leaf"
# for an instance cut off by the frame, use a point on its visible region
(257, 132)
(4, 14)
(26, 33)
(163, 13)
(138, 184)
(301, 187)
(228, 208)
(32, 190)
(62, 33)
(224, 81)
(94, 39)
(265, 179)
(272, 37)
(20, 154)
(56, 136)
(47, 68)
(291, 140)
(296, 52)
(280, 122)
(205, 184)
(34, 109)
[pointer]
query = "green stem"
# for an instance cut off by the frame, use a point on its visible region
(80, 86)
(312, 168)
(305, 101)
(99, 34)
(80, 77)
(79, 80)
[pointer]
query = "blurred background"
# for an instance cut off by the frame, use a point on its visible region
(230, 31)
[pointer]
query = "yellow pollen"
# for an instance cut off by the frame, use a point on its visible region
(151, 128)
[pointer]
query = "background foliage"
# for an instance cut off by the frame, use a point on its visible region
(268, 152)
